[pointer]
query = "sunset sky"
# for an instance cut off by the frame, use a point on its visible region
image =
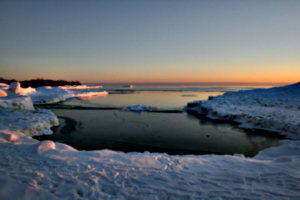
(151, 41)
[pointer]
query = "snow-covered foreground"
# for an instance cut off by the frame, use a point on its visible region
(30, 169)
(47, 170)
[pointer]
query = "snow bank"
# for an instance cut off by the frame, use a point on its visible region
(275, 109)
(16, 102)
(18, 112)
(47, 95)
(30, 122)
(48, 170)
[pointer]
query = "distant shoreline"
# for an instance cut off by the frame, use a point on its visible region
(40, 82)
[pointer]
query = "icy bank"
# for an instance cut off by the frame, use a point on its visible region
(29, 122)
(275, 109)
(47, 94)
(14, 97)
(47, 170)
(16, 102)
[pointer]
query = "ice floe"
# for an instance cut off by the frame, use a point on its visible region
(29, 122)
(139, 107)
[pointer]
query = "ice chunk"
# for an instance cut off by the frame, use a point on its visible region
(139, 107)
(15, 88)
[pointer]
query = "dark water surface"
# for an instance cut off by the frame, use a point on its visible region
(172, 133)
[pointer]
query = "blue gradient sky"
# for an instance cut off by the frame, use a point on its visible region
(151, 41)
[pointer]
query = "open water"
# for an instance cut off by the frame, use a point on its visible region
(107, 123)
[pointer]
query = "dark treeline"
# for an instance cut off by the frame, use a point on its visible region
(39, 82)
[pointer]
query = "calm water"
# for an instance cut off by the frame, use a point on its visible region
(174, 133)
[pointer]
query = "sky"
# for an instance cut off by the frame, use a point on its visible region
(151, 40)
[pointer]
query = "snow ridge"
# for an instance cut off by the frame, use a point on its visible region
(276, 109)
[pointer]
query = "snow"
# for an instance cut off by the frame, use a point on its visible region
(276, 109)
(15, 88)
(17, 110)
(47, 94)
(29, 122)
(16, 102)
(30, 169)
(80, 87)
(139, 107)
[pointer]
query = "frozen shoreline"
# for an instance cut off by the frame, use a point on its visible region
(46, 170)
(276, 109)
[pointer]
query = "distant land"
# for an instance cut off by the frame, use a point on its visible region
(39, 82)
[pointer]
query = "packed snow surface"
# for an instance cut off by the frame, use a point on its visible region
(275, 109)
(46, 170)
(30, 169)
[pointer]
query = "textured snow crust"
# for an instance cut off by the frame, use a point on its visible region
(29, 122)
(275, 109)
(47, 170)
(16, 102)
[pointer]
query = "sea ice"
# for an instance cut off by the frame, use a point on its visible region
(48, 170)
(15, 88)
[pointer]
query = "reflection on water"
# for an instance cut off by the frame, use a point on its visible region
(150, 98)
(173, 133)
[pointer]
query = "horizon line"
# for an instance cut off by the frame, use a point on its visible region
(193, 83)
